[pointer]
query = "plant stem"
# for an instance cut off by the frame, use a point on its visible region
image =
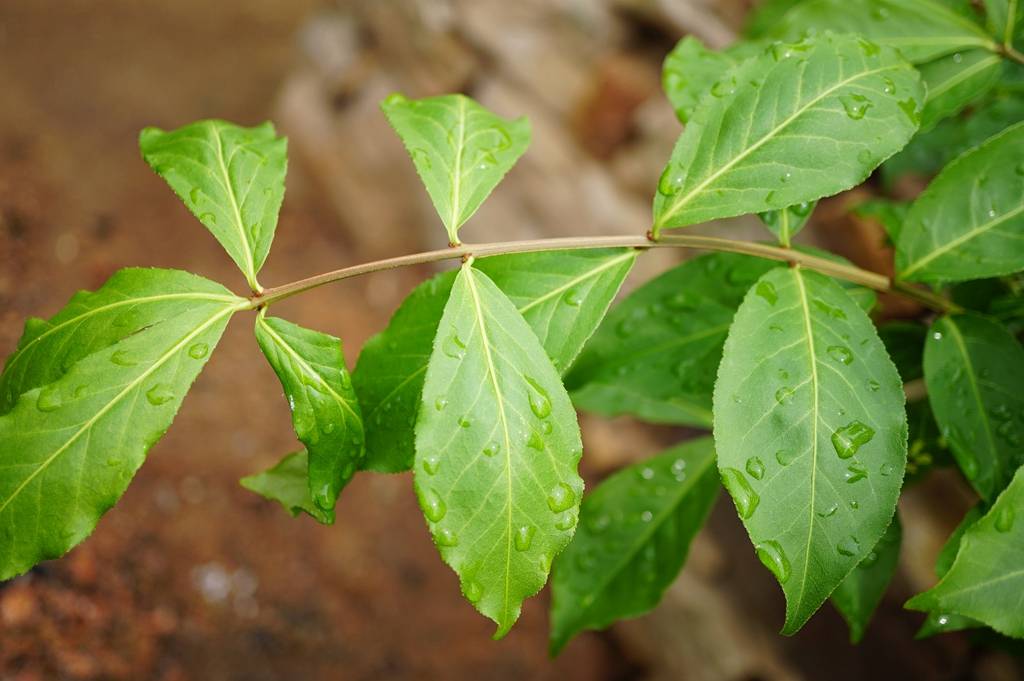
(1010, 52)
(856, 275)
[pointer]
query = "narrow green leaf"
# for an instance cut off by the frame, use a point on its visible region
(974, 370)
(70, 447)
(921, 30)
(810, 431)
(325, 411)
(786, 222)
(497, 445)
(859, 594)
(986, 581)
(969, 222)
(940, 622)
(288, 484)
(563, 296)
(799, 122)
(230, 177)
(460, 150)
(635, 531)
(691, 69)
(956, 80)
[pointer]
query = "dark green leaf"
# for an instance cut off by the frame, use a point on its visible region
(890, 214)
(1005, 18)
(938, 622)
(497, 447)
(786, 222)
(859, 594)
(956, 80)
(231, 178)
(904, 341)
(325, 411)
(810, 431)
(288, 484)
(635, 531)
(975, 369)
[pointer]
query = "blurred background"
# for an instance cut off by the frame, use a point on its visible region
(190, 576)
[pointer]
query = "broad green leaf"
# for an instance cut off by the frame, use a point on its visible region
(974, 370)
(765, 16)
(939, 622)
(921, 30)
(889, 214)
(810, 431)
(497, 445)
(691, 70)
(859, 594)
(132, 299)
(796, 123)
(325, 411)
(969, 222)
(287, 483)
(460, 150)
(1005, 18)
(786, 222)
(1000, 299)
(70, 447)
(956, 80)
(986, 581)
(635, 531)
(230, 177)
(563, 296)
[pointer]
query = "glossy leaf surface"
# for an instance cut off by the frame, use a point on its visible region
(857, 596)
(955, 81)
(691, 70)
(287, 483)
(786, 222)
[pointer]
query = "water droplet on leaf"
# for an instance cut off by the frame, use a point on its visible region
(742, 493)
(850, 438)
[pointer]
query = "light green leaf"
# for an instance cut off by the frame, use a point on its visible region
(497, 447)
(921, 30)
(288, 484)
(956, 80)
(786, 222)
(974, 370)
(810, 431)
(460, 150)
(230, 177)
(766, 15)
(986, 581)
(799, 122)
(563, 296)
(325, 410)
(691, 69)
(1005, 18)
(969, 222)
(859, 594)
(70, 447)
(940, 622)
(635, 531)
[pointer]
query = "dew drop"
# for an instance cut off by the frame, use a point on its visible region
(193, 196)
(873, 385)
(535, 441)
(445, 537)
(785, 456)
(492, 449)
(572, 298)
(831, 310)
(646, 473)
(850, 438)
(723, 88)
(840, 353)
(561, 498)
(440, 403)
(524, 537)
(888, 87)
(679, 470)
(79, 391)
(431, 464)
(887, 469)
(1004, 519)
(546, 427)
(540, 404)
(323, 498)
(680, 301)
(123, 358)
(199, 350)
(772, 557)
(464, 422)
(395, 99)
(160, 393)
(646, 516)
(755, 467)
(766, 290)
(742, 493)
(855, 472)
(421, 158)
(453, 346)
(848, 546)
(566, 521)
(671, 181)
(828, 512)
(208, 218)
(433, 506)
(473, 591)
(49, 399)
(855, 105)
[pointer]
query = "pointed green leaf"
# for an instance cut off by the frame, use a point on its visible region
(859, 594)
(325, 411)
(76, 442)
(974, 370)
(635, 531)
(921, 30)
(986, 581)
(956, 80)
(288, 484)
(230, 177)
(796, 123)
(691, 69)
(969, 222)
(810, 431)
(786, 222)
(460, 150)
(563, 295)
(944, 622)
(497, 447)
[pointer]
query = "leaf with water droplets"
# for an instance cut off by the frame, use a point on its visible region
(859, 594)
(786, 222)
(478, 504)
(830, 120)
(986, 580)
(834, 451)
(955, 81)
(1005, 19)
(287, 483)
(691, 69)
(325, 412)
(974, 369)
(76, 441)
(635, 531)
(230, 177)
(969, 222)
(460, 150)
(943, 622)
(563, 295)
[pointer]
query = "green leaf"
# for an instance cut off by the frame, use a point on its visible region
(785, 223)
(1005, 18)
(859, 594)
(562, 295)
(230, 177)
(691, 69)
(969, 222)
(460, 150)
(635, 531)
(325, 411)
(890, 214)
(974, 370)
(810, 431)
(497, 445)
(921, 30)
(766, 15)
(288, 484)
(986, 581)
(939, 622)
(796, 123)
(132, 299)
(71, 446)
(956, 80)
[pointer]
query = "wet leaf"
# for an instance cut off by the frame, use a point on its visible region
(288, 484)
(857, 596)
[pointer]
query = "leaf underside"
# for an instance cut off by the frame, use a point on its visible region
(287, 483)
(859, 594)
